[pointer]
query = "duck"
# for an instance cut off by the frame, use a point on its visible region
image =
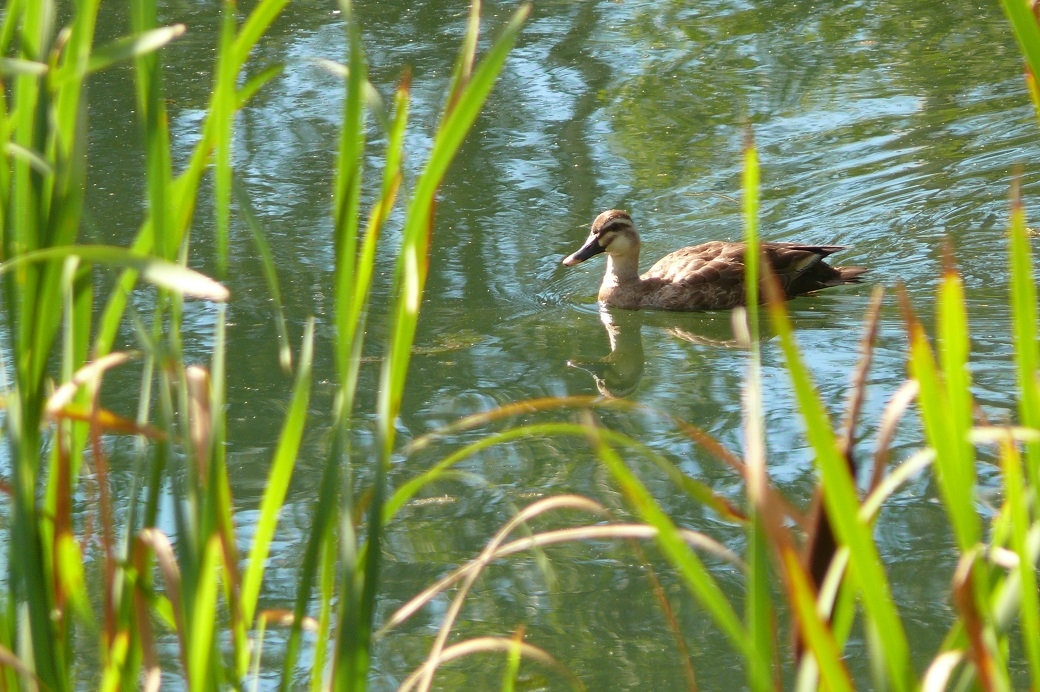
(709, 276)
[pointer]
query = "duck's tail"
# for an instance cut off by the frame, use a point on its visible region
(849, 275)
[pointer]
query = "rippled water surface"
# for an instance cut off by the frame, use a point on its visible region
(888, 127)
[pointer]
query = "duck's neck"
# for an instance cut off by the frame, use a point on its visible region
(622, 270)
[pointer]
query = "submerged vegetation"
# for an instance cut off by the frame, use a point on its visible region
(106, 598)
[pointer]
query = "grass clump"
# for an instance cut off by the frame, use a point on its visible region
(61, 340)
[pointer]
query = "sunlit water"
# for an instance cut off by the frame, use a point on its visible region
(889, 128)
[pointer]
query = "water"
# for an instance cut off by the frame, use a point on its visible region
(888, 128)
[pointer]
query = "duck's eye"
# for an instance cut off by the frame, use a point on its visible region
(611, 228)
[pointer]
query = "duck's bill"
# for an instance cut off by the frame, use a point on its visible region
(589, 249)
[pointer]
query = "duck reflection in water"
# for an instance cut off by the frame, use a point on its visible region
(709, 276)
(618, 373)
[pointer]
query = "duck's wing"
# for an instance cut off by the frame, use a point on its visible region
(709, 276)
(802, 269)
(715, 262)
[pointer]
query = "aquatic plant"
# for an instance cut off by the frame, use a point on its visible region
(154, 589)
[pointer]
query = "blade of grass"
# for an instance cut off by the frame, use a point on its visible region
(758, 606)
(161, 273)
(184, 189)
(224, 99)
(1024, 311)
(411, 269)
(1024, 316)
(512, 671)
(486, 556)
(279, 476)
(257, 82)
(232, 53)
(484, 644)
(410, 279)
(353, 641)
(696, 489)
(319, 554)
(133, 46)
(842, 506)
(203, 623)
(267, 265)
(817, 636)
(346, 205)
(1027, 33)
(955, 460)
(695, 575)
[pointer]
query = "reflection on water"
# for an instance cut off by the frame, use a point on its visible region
(617, 374)
(887, 128)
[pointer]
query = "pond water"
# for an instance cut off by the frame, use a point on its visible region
(887, 127)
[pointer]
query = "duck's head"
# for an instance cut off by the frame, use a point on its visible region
(613, 233)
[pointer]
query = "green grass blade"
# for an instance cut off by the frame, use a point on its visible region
(257, 82)
(352, 646)
(267, 265)
(133, 46)
(203, 622)
(233, 53)
(255, 27)
(750, 184)
(842, 504)
(1027, 32)
(684, 560)
(320, 549)
(347, 195)
(701, 492)
(412, 263)
(409, 280)
(758, 607)
(151, 106)
(223, 100)
(463, 69)
(818, 637)
(1024, 315)
(279, 476)
(326, 599)
(356, 310)
(512, 669)
(160, 273)
(955, 462)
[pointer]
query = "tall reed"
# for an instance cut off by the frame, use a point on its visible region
(61, 337)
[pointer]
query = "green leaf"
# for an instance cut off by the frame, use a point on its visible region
(842, 504)
(684, 559)
(17, 66)
(133, 46)
(279, 477)
(256, 83)
(159, 272)
(1027, 32)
